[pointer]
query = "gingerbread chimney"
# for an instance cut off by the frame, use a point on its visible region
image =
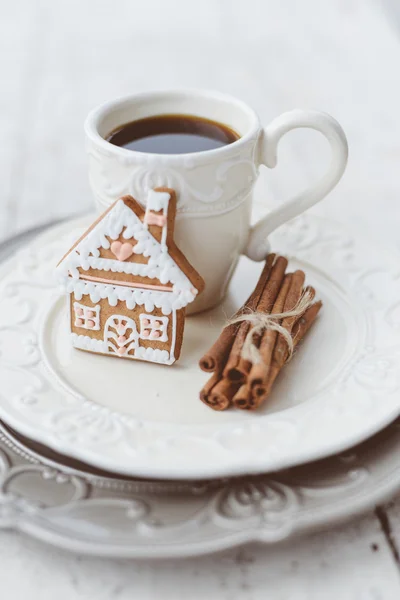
(160, 214)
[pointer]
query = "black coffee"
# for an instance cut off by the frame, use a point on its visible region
(172, 134)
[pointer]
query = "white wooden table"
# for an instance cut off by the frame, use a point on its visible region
(59, 59)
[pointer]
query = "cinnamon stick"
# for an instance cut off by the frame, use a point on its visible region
(262, 391)
(243, 398)
(304, 323)
(208, 386)
(294, 294)
(237, 381)
(221, 394)
(218, 354)
(235, 369)
(281, 351)
(259, 372)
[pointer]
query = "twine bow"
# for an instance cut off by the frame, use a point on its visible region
(261, 322)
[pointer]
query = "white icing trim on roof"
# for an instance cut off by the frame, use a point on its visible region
(86, 254)
(166, 301)
(152, 270)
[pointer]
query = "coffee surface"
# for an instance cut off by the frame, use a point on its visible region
(172, 134)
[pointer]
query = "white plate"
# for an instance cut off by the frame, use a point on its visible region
(146, 420)
(103, 516)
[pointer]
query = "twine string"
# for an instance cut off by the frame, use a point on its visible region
(261, 322)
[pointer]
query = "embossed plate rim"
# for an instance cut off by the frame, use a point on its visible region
(249, 464)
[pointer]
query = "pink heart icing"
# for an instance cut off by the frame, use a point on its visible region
(121, 340)
(90, 324)
(122, 251)
(121, 351)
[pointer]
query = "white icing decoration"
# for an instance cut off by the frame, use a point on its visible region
(154, 355)
(111, 337)
(161, 265)
(85, 316)
(166, 301)
(157, 201)
(121, 325)
(152, 328)
(117, 266)
(172, 349)
(84, 342)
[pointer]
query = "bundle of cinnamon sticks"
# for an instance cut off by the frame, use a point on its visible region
(236, 381)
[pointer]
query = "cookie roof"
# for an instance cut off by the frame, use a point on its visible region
(162, 262)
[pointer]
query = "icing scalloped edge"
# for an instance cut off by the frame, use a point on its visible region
(166, 301)
(153, 355)
(84, 342)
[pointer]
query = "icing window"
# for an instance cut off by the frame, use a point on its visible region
(87, 317)
(153, 328)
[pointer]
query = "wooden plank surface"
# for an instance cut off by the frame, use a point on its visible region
(59, 59)
(352, 562)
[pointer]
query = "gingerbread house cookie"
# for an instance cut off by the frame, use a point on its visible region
(128, 284)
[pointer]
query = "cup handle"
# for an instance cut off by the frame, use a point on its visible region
(258, 246)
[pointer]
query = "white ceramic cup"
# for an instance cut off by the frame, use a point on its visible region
(214, 187)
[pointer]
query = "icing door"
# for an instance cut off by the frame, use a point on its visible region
(121, 336)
